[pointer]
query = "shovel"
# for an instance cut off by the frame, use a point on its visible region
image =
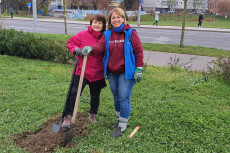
(69, 133)
(57, 126)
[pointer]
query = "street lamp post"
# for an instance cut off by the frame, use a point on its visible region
(139, 13)
(35, 15)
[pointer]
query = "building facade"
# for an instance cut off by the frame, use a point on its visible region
(55, 4)
(163, 5)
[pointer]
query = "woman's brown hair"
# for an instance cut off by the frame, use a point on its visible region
(120, 12)
(99, 17)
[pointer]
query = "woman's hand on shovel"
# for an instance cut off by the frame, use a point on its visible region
(86, 50)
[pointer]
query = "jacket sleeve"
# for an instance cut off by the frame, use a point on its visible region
(73, 43)
(137, 49)
(99, 48)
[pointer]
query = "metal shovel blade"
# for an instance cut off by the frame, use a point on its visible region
(56, 127)
(69, 135)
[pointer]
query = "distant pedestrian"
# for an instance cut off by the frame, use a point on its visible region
(200, 19)
(12, 12)
(156, 19)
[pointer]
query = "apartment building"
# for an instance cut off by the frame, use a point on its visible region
(163, 5)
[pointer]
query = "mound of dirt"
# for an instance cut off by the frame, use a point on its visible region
(42, 141)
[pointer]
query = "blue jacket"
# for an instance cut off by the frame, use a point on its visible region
(130, 62)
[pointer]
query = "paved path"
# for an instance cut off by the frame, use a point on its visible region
(193, 62)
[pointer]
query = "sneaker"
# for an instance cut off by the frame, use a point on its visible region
(92, 118)
(114, 126)
(117, 133)
(67, 121)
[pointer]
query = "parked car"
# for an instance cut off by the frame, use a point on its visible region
(198, 12)
(171, 11)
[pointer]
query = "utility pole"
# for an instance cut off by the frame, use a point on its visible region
(35, 15)
(139, 13)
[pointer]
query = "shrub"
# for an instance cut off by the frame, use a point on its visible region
(221, 69)
(26, 45)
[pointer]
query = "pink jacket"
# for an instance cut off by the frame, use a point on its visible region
(94, 66)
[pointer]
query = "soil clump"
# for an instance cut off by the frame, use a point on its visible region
(42, 141)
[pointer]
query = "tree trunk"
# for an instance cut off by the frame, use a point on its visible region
(183, 24)
(65, 18)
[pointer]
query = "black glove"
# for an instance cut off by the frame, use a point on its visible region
(77, 51)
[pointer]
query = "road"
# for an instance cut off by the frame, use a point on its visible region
(218, 40)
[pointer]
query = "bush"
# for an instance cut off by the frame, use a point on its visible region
(221, 69)
(26, 45)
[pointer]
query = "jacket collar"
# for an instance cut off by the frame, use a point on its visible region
(95, 34)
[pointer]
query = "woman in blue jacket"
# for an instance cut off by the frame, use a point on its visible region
(123, 62)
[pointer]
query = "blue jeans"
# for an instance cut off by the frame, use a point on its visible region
(121, 90)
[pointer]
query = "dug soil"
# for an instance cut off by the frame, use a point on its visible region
(42, 141)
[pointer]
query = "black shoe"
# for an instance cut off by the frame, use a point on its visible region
(117, 133)
(114, 126)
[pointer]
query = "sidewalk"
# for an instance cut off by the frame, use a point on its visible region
(193, 62)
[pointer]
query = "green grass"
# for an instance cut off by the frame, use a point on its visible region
(177, 111)
(172, 48)
(192, 50)
(210, 21)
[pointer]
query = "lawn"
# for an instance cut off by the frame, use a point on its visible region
(210, 21)
(177, 111)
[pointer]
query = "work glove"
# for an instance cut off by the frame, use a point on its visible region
(138, 74)
(86, 50)
(77, 51)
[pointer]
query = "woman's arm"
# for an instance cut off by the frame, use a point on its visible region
(99, 48)
(137, 49)
(73, 43)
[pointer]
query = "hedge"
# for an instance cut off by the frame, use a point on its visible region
(26, 45)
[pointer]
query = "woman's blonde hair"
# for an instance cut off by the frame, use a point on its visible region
(120, 12)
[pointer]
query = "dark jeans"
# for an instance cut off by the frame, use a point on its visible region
(95, 90)
(12, 14)
(156, 22)
(200, 23)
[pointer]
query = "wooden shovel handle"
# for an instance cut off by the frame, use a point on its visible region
(79, 90)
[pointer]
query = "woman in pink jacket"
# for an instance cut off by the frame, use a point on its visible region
(94, 72)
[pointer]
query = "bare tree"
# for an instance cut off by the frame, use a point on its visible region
(171, 4)
(90, 4)
(135, 6)
(196, 4)
(122, 6)
(212, 6)
(74, 3)
(129, 3)
(44, 5)
(103, 5)
(183, 24)
(224, 7)
(15, 4)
